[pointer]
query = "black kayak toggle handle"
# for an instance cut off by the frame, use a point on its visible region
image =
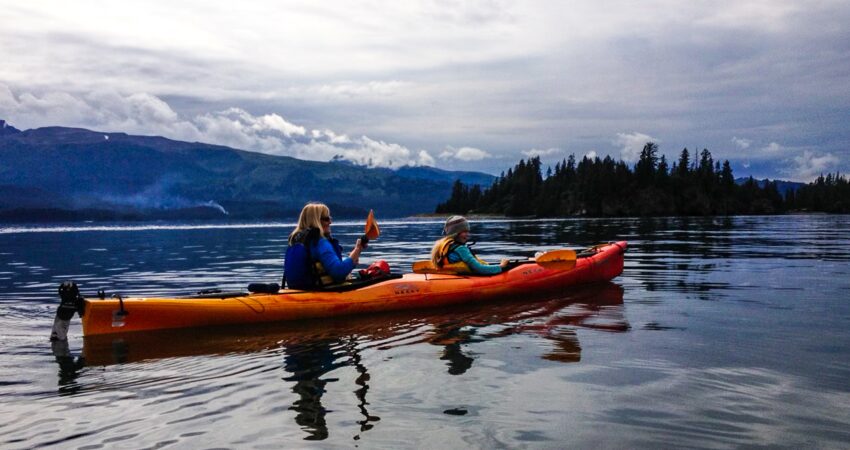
(121, 311)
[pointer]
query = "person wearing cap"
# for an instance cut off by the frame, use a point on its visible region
(452, 252)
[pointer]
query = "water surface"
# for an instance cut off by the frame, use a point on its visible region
(721, 332)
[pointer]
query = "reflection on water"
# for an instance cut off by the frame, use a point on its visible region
(597, 306)
(69, 367)
(307, 364)
(721, 332)
(314, 350)
(451, 340)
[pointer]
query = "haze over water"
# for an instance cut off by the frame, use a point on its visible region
(721, 332)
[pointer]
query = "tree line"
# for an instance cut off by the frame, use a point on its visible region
(653, 187)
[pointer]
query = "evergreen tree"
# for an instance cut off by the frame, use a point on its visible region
(646, 165)
(605, 187)
(684, 164)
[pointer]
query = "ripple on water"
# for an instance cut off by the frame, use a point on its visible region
(725, 406)
(663, 365)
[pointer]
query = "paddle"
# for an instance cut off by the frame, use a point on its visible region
(557, 259)
(554, 259)
(425, 267)
(371, 230)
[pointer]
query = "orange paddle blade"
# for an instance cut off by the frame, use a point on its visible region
(372, 231)
(429, 268)
(557, 259)
(423, 267)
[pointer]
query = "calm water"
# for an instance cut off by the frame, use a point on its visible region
(724, 332)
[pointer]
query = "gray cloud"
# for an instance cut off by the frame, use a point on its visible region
(429, 75)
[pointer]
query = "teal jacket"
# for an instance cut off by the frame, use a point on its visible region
(463, 253)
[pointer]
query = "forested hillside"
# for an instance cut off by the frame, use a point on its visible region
(653, 187)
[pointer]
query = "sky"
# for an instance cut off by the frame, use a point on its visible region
(459, 85)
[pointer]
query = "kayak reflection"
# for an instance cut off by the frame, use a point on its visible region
(314, 349)
(597, 306)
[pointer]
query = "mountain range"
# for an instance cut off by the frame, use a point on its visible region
(59, 173)
(782, 186)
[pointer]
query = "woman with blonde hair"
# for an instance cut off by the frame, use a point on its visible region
(314, 257)
(453, 253)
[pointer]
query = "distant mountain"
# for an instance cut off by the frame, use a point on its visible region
(782, 186)
(58, 173)
(5, 128)
(432, 173)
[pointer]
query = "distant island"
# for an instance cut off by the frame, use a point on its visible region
(606, 188)
(73, 174)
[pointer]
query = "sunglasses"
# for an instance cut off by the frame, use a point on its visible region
(326, 219)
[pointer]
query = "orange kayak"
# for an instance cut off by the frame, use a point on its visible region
(589, 307)
(409, 291)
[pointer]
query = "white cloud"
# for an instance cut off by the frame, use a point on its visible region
(272, 134)
(464, 154)
(742, 143)
(772, 149)
(275, 122)
(233, 127)
(591, 154)
(810, 165)
(425, 159)
(146, 108)
(631, 144)
(537, 152)
(379, 153)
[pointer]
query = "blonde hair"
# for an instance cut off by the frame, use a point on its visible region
(436, 257)
(311, 217)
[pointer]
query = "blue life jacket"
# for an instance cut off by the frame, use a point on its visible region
(298, 268)
(301, 270)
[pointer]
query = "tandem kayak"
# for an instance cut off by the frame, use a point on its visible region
(408, 291)
(591, 306)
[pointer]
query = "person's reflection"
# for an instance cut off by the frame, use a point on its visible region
(362, 380)
(452, 339)
(598, 307)
(308, 363)
(602, 311)
(566, 347)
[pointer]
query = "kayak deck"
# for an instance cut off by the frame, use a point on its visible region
(601, 263)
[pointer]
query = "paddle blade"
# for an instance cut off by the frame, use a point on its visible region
(423, 267)
(557, 259)
(371, 230)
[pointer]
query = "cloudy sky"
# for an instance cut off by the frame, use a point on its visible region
(471, 85)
